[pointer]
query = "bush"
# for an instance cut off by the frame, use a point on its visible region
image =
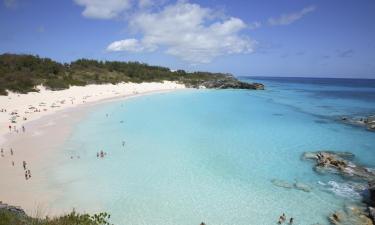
(56, 84)
(73, 218)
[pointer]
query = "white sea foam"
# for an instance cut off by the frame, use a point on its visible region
(347, 190)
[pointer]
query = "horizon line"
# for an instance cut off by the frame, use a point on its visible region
(318, 77)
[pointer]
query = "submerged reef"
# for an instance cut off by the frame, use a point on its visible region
(368, 121)
(296, 185)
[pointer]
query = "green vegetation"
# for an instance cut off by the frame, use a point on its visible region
(11, 218)
(22, 73)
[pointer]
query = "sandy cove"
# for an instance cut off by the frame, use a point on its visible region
(49, 115)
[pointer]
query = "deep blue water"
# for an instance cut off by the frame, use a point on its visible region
(210, 155)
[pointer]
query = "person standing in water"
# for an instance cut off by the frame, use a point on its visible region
(282, 219)
(291, 220)
(123, 143)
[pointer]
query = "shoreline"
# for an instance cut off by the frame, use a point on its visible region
(35, 194)
(23, 108)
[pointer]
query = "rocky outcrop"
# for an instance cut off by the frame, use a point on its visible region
(371, 211)
(340, 163)
(367, 122)
(230, 82)
(352, 215)
(371, 190)
(13, 209)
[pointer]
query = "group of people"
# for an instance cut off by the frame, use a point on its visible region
(24, 164)
(11, 154)
(101, 154)
(27, 171)
(282, 219)
(16, 130)
(3, 154)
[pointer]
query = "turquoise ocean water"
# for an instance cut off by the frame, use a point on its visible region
(210, 155)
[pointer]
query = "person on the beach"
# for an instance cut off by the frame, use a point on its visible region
(24, 165)
(2, 152)
(10, 128)
(26, 176)
(23, 129)
(12, 163)
(291, 220)
(11, 151)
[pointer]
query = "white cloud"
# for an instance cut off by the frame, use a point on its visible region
(132, 45)
(103, 9)
(286, 19)
(149, 3)
(187, 31)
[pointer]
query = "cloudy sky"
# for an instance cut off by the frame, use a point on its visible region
(321, 38)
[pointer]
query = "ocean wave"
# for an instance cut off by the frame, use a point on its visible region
(346, 190)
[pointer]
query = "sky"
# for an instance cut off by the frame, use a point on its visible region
(295, 38)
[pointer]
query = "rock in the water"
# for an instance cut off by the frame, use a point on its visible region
(371, 190)
(336, 218)
(339, 162)
(351, 216)
(302, 187)
(372, 213)
(282, 183)
(297, 185)
(367, 122)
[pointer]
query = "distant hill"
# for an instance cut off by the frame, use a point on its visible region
(22, 73)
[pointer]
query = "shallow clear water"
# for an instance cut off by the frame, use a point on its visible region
(210, 155)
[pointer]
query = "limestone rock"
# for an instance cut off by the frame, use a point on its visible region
(340, 163)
